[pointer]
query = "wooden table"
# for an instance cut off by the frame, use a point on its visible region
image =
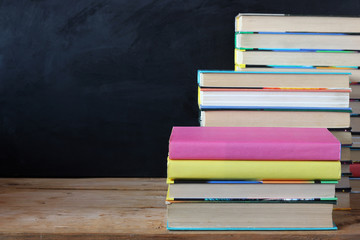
(119, 208)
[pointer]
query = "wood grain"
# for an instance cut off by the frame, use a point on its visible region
(119, 208)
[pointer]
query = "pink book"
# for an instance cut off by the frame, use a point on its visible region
(253, 143)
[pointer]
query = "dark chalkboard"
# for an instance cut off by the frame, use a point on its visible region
(93, 88)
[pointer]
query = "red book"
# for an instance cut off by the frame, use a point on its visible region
(253, 143)
(355, 170)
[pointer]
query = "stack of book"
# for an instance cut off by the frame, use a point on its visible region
(247, 178)
(280, 99)
(274, 99)
(301, 42)
(278, 42)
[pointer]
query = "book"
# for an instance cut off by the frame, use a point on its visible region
(285, 41)
(224, 97)
(280, 58)
(290, 23)
(355, 90)
(355, 154)
(345, 154)
(249, 216)
(344, 137)
(253, 170)
(258, 143)
(355, 139)
(345, 171)
(343, 201)
(355, 105)
(192, 190)
(274, 118)
(355, 183)
(355, 169)
(278, 79)
(343, 184)
(355, 123)
(354, 76)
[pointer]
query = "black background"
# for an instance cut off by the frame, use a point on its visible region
(93, 88)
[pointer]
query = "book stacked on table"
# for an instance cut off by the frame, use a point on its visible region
(274, 99)
(301, 42)
(279, 99)
(278, 42)
(252, 178)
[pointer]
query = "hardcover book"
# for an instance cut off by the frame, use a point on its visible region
(253, 170)
(285, 41)
(293, 59)
(354, 72)
(258, 143)
(250, 216)
(290, 23)
(261, 117)
(262, 79)
(212, 189)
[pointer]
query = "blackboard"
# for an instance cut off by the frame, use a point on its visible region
(93, 88)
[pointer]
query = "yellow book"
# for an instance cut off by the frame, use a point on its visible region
(257, 170)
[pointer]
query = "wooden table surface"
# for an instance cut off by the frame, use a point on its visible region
(119, 208)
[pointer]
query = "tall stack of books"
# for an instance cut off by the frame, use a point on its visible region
(247, 178)
(280, 42)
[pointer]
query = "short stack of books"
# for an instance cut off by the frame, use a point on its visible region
(274, 99)
(301, 42)
(280, 99)
(248, 178)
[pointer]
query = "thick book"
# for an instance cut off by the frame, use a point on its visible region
(253, 170)
(343, 201)
(355, 139)
(250, 216)
(274, 118)
(279, 79)
(355, 105)
(355, 157)
(355, 90)
(344, 137)
(355, 184)
(291, 23)
(319, 42)
(212, 189)
(257, 143)
(355, 122)
(274, 97)
(354, 76)
(317, 59)
(355, 169)
(346, 154)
